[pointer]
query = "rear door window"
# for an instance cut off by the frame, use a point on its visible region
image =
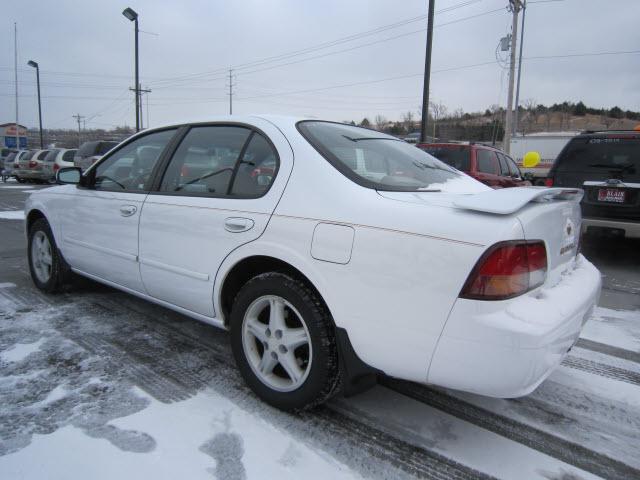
(42, 154)
(504, 166)
(204, 162)
(256, 169)
(487, 162)
(513, 168)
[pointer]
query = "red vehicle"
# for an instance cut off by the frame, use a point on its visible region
(489, 165)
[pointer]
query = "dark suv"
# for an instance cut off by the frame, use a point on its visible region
(489, 165)
(90, 152)
(607, 166)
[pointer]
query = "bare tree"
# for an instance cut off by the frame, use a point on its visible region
(407, 120)
(381, 122)
(530, 105)
(438, 111)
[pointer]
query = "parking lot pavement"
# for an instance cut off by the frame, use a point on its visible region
(96, 383)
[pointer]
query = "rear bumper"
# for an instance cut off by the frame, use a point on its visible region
(506, 349)
(631, 229)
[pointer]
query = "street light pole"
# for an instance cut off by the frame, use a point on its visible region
(131, 15)
(427, 73)
(35, 65)
(516, 114)
(515, 6)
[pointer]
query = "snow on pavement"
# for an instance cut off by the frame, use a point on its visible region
(12, 215)
(106, 386)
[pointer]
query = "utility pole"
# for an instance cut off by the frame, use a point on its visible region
(427, 73)
(231, 85)
(79, 118)
(515, 119)
(514, 7)
(139, 92)
(15, 56)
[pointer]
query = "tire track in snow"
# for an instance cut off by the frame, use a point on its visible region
(609, 350)
(414, 460)
(556, 447)
(411, 459)
(596, 368)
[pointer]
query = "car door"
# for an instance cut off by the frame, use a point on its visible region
(219, 189)
(100, 225)
(488, 168)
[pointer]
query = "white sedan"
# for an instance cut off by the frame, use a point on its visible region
(332, 253)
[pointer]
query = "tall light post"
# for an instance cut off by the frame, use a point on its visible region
(427, 73)
(33, 64)
(131, 15)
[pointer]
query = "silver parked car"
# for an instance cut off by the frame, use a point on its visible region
(55, 160)
(31, 166)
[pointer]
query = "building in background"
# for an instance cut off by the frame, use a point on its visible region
(8, 135)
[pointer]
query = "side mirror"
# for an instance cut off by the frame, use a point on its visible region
(68, 175)
(531, 159)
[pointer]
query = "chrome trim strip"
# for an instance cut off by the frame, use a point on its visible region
(179, 270)
(108, 251)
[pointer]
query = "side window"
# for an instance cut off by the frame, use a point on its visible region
(504, 165)
(513, 168)
(205, 160)
(256, 169)
(42, 154)
(130, 167)
(487, 162)
(68, 155)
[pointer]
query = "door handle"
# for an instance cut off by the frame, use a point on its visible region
(128, 210)
(238, 224)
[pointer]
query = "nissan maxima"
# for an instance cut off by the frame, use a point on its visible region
(333, 254)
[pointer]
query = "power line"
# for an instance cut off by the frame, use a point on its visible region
(320, 46)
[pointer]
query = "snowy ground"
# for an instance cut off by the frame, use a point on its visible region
(98, 384)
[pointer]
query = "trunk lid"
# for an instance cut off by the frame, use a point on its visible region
(548, 214)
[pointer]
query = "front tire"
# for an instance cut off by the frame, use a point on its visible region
(283, 342)
(49, 271)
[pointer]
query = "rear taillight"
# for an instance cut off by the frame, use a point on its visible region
(548, 182)
(32, 164)
(56, 167)
(506, 270)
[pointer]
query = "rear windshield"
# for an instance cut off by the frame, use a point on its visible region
(456, 156)
(375, 160)
(51, 156)
(87, 149)
(11, 157)
(601, 155)
(105, 147)
(68, 155)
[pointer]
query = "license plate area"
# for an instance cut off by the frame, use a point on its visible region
(612, 195)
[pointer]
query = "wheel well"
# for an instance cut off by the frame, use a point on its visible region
(250, 267)
(33, 216)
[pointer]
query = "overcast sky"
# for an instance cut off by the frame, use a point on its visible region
(85, 52)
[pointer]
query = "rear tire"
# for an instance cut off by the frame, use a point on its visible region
(49, 271)
(283, 341)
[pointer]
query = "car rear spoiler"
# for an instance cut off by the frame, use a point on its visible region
(506, 201)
